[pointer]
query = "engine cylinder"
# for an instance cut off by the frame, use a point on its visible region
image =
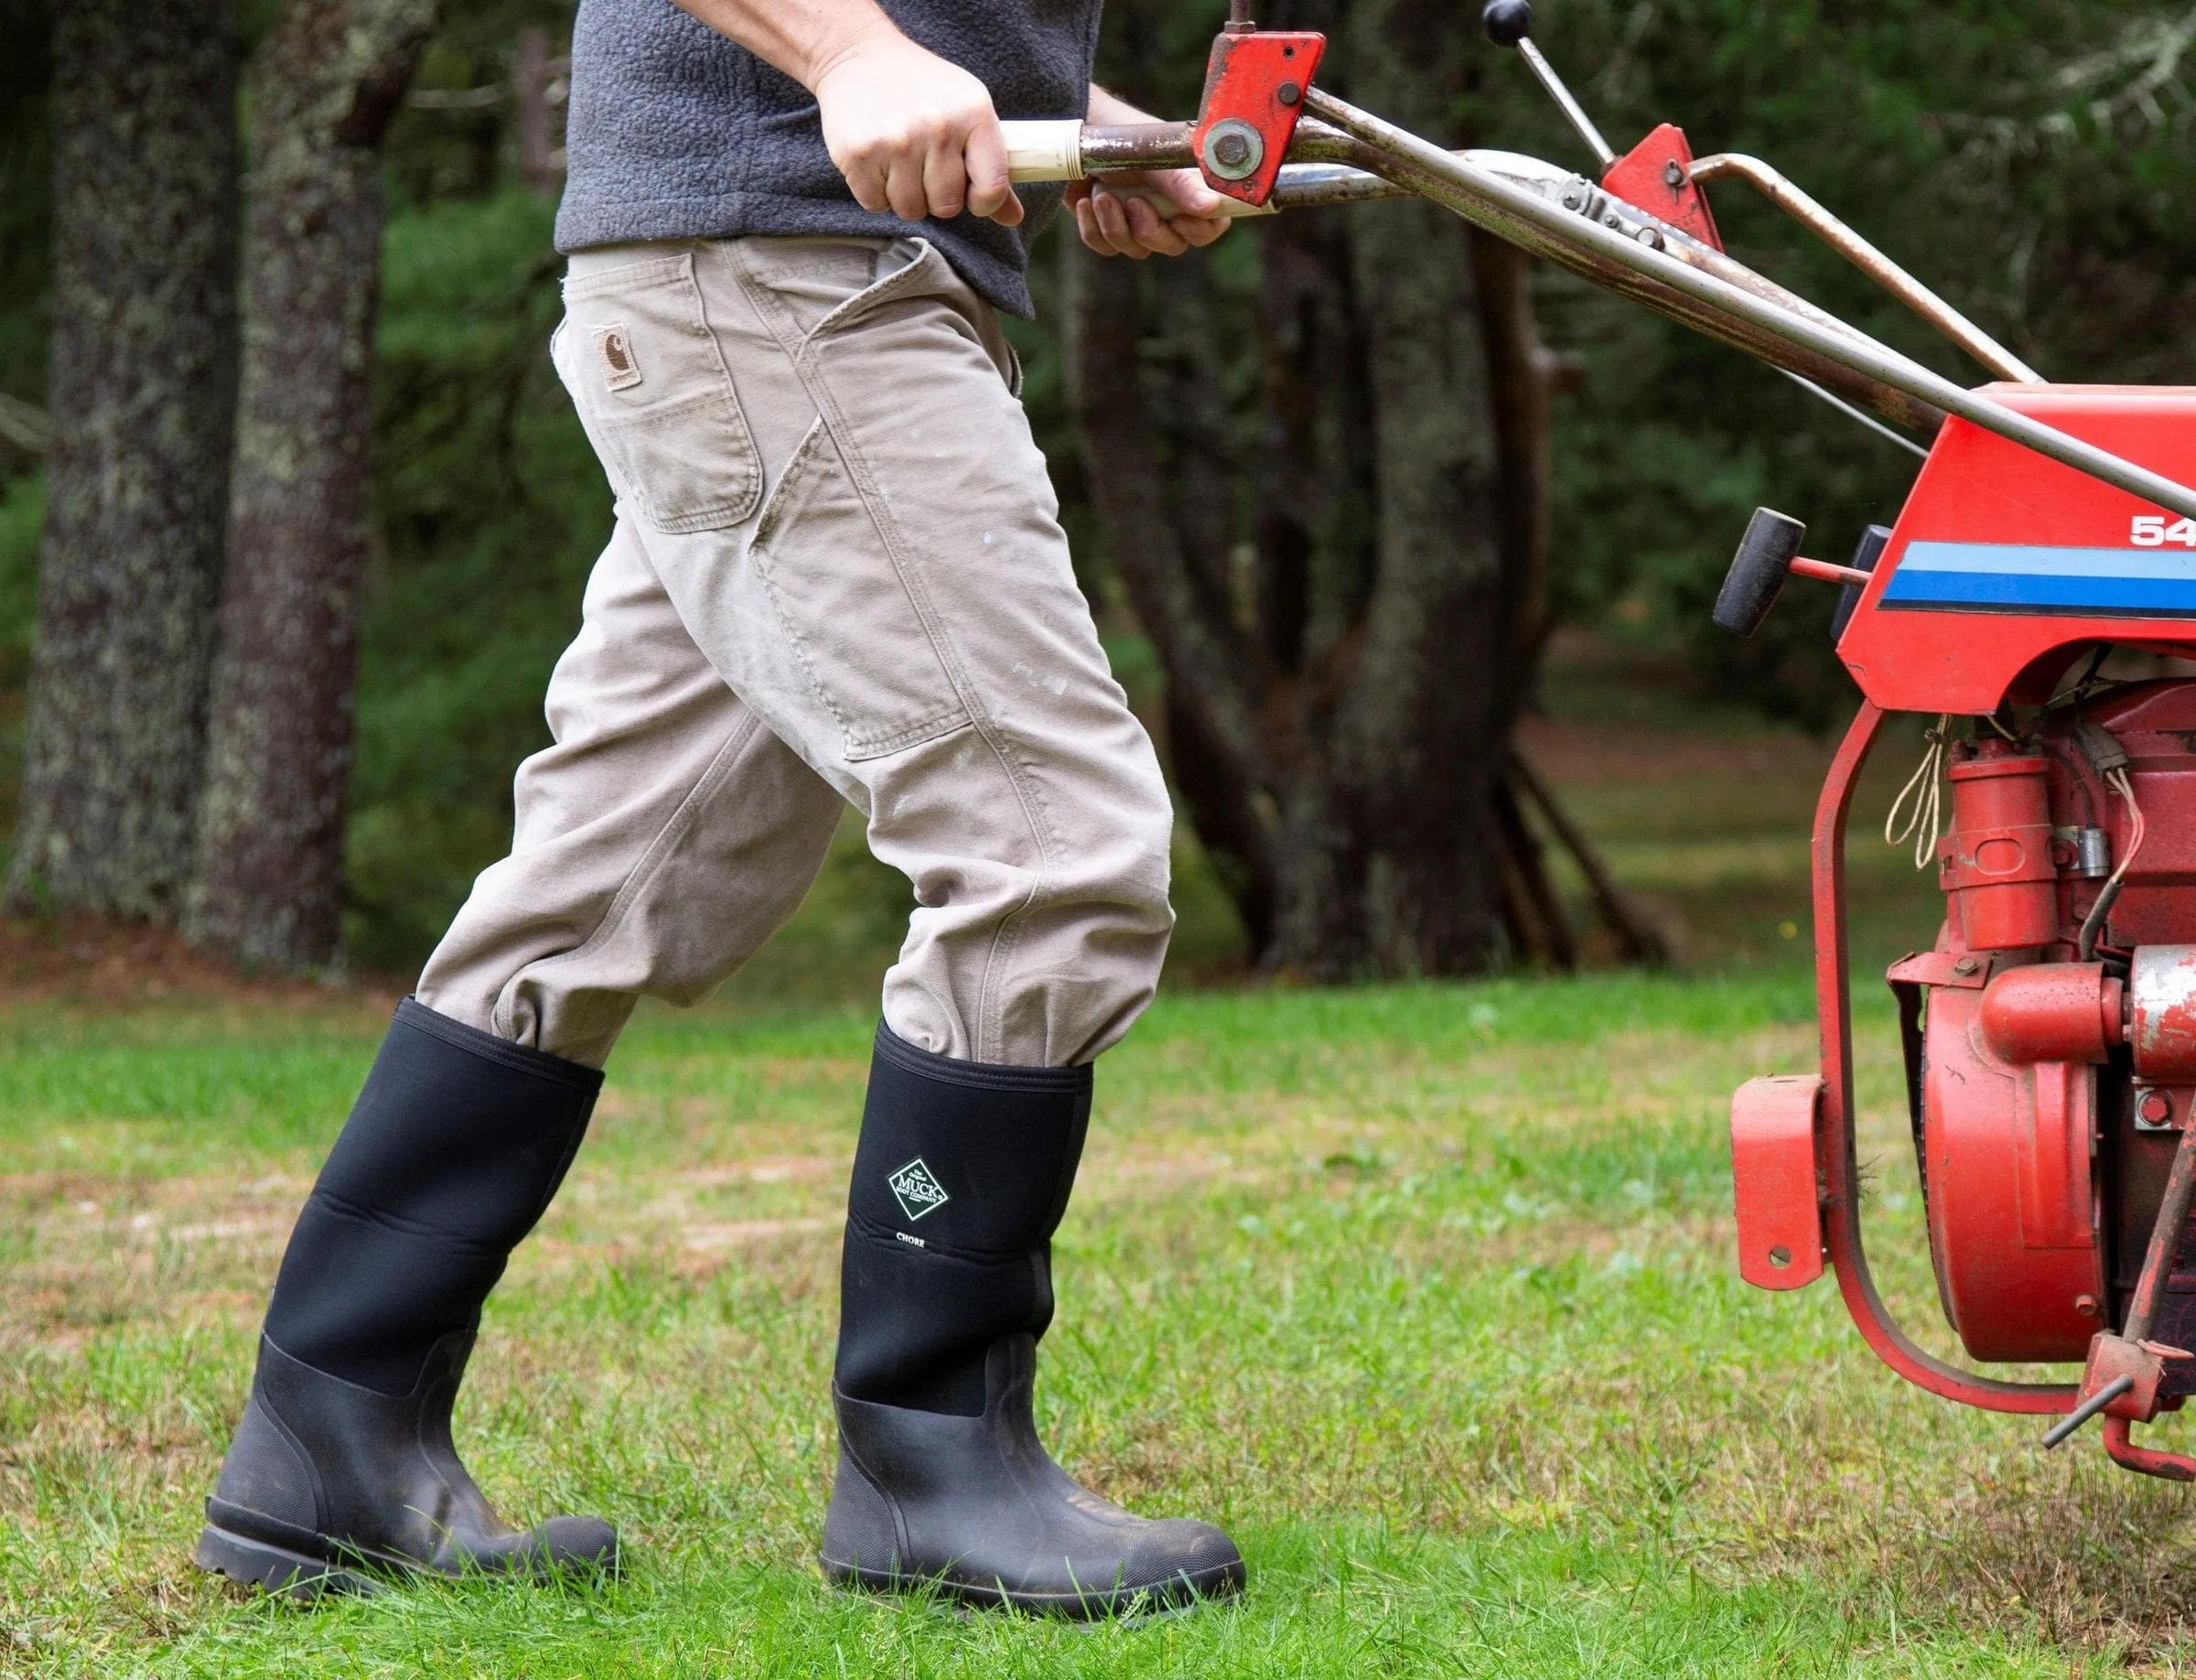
(1995, 864)
(2161, 1012)
(2054, 1012)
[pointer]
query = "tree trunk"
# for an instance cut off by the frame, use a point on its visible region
(269, 887)
(541, 159)
(1344, 673)
(141, 394)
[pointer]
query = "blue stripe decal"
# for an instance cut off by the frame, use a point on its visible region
(2049, 562)
(1994, 576)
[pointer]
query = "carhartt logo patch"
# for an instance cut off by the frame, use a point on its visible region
(918, 1190)
(615, 346)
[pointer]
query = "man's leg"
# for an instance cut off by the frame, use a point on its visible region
(662, 839)
(900, 609)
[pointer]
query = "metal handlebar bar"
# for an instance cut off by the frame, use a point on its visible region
(1787, 197)
(1555, 213)
(1074, 151)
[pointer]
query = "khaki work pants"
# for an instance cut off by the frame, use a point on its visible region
(837, 574)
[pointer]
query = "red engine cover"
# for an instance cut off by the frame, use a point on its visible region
(2013, 1214)
(2003, 563)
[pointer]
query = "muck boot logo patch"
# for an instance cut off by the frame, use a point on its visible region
(918, 1190)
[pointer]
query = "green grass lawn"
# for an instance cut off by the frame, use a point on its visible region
(1424, 1291)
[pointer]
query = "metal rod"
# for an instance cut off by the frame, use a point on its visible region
(1497, 202)
(1136, 145)
(1324, 172)
(1790, 199)
(1851, 412)
(1320, 142)
(1306, 186)
(1824, 571)
(1571, 108)
(2165, 1241)
(2088, 1409)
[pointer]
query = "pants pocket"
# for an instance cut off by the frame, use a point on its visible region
(649, 381)
(839, 597)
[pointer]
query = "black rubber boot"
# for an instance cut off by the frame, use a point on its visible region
(960, 1179)
(343, 1468)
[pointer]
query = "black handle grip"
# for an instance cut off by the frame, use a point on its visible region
(1759, 570)
(1507, 22)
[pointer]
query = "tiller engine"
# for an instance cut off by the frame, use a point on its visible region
(2050, 1034)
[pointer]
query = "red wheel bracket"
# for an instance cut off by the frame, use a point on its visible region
(1776, 1181)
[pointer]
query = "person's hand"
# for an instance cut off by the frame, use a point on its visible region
(913, 134)
(1125, 224)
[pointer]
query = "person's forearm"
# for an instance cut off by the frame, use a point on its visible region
(911, 132)
(1111, 108)
(802, 38)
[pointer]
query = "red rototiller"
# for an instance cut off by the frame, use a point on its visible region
(2051, 1035)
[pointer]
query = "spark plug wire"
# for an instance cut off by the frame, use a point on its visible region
(2093, 925)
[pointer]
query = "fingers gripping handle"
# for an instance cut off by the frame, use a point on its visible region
(1053, 151)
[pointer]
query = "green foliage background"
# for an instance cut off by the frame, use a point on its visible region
(2030, 157)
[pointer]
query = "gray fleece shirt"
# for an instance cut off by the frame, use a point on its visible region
(676, 132)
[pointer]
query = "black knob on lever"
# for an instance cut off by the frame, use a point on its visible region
(1507, 22)
(1759, 570)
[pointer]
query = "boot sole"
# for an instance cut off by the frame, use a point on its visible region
(276, 1569)
(1177, 1596)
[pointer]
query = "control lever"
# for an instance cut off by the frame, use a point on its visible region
(1508, 22)
(1768, 554)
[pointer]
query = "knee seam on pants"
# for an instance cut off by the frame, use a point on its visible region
(676, 828)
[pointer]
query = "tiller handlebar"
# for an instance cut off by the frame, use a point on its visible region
(2050, 1034)
(1267, 139)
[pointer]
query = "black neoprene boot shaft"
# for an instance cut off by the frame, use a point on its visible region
(451, 1155)
(961, 1178)
(343, 1462)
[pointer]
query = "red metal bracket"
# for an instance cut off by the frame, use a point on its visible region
(1254, 86)
(2144, 1461)
(1656, 176)
(1967, 970)
(2143, 1363)
(1775, 1185)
